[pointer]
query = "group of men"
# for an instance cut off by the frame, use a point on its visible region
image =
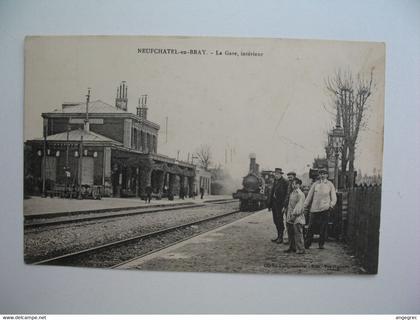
(288, 201)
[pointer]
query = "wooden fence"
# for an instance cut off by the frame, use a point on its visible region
(361, 224)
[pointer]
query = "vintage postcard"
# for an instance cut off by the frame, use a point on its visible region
(203, 154)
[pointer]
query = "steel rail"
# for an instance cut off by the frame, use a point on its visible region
(223, 201)
(128, 240)
(96, 216)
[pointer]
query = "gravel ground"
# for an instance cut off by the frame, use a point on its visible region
(49, 243)
(245, 246)
(111, 256)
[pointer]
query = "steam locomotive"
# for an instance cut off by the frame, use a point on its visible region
(256, 188)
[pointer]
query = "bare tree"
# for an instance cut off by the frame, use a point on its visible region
(217, 172)
(204, 156)
(350, 97)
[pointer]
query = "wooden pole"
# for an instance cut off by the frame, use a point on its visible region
(44, 166)
(44, 158)
(80, 167)
(336, 171)
(166, 130)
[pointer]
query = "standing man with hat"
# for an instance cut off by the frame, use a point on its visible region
(290, 177)
(277, 201)
(320, 200)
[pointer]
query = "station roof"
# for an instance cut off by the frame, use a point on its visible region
(76, 136)
(97, 108)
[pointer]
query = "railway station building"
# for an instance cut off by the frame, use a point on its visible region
(98, 144)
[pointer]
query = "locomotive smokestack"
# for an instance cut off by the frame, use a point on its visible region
(252, 162)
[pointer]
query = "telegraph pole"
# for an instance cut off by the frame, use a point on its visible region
(166, 129)
(67, 169)
(87, 129)
(44, 158)
(79, 178)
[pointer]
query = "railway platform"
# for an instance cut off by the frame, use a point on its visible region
(245, 246)
(38, 206)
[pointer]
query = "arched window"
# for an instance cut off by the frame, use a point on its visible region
(154, 144)
(149, 143)
(134, 139)
(142, 147)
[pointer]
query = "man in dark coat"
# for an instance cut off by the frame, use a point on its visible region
(277, 201)
(149, 191)
(181, 193)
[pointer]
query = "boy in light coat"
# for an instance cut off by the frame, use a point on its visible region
(296, 218)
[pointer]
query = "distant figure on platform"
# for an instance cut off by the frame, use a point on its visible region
(29, 184)
(276, 202)
(202, 192)
(320, 200)
(181, 193)
(295, 218)
(148, 194)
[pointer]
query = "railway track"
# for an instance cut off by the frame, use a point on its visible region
(117, 253)
(221, 201)
(86, 217)
(31, 223)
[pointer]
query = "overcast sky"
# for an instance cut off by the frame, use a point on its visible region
(271, 105)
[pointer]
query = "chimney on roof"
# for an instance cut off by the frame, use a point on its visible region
(87, 127)
(142, 107)
(121, 101)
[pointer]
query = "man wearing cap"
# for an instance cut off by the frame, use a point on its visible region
(276, 202)
(290, 177)
(320, 200)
